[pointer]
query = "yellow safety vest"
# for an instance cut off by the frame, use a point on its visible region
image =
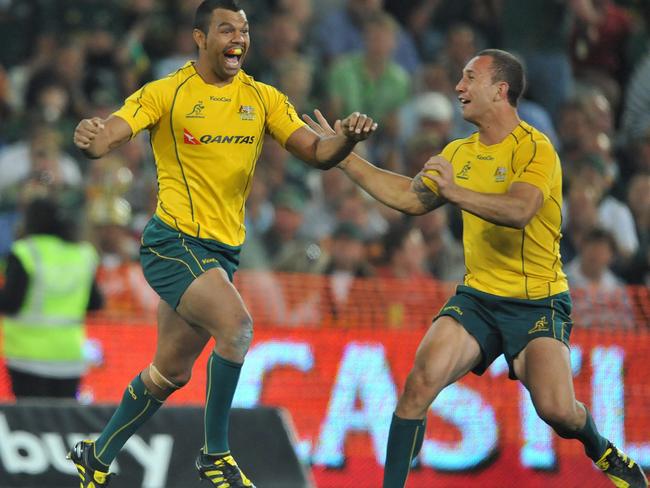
(49, 327)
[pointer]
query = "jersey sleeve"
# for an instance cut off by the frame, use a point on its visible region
(536, 164)
(144, 108)
(282, 120)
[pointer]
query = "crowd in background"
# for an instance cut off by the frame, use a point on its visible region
(588, 66)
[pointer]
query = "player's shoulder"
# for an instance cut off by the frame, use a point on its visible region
(176, 78)
(452, 147)
(263, 89)
(526, 134)
(533, 143)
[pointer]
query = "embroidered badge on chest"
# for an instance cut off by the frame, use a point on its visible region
(197, 111)
(500, 174)
(463, 174)
(247, 112)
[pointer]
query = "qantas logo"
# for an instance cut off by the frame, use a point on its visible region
(188, 138)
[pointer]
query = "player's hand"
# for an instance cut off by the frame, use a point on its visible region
(441, 172)
(322, 127)
(358, 127)
(86, 132)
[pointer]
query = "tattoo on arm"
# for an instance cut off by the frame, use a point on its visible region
(427, 197)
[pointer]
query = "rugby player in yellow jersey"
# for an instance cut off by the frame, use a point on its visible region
(207, 123)
(507, 180)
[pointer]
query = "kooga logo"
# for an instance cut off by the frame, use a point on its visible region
(23, 452)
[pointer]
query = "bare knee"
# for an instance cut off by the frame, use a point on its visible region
(162, 381)
(561, 416)
(234, 341)
(422, 387)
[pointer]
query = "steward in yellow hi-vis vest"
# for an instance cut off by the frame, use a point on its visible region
(206, 141)
(49, 288)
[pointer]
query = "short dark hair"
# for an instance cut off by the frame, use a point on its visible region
(507, 67)
(204, 12)
(598, 235)
(44, 215)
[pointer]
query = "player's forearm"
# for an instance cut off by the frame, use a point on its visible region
(500, 209)
(96, 137)
(331, 150)
(389, 188)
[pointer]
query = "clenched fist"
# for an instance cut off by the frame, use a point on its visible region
(86, 132)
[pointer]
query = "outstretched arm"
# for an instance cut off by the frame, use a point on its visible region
(325, 150)
(408, 195)
(96, 137)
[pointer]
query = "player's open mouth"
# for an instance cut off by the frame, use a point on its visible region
(233, 56)
(463, 101)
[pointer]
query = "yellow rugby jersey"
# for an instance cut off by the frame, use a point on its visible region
(519, 263)
(206, 141)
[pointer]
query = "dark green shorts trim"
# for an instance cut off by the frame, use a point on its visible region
(171, 260)
(506, 325)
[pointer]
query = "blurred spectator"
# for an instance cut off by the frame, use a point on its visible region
(43, 50)
(109, 218)
(418, 18)
(404, 274)
(347, 257)
(574, 132)
(345, 263)
(419, 149)
(279, 40)
(428, 114)
(38, 166)
(637, 271)
(639, 43)
(259, 209)
(638, 157)
(283, 249)
(599, 296)
(580, 218)
(460, 46)
(120, 276)
(636, 111)
(370, 81)
(47, 101)
(538, 31)
(598, 46)
(295, 79)
(5, 106)
(405, 253)
(613, 215)
(340, 33)
(50, 284)
(183, 48)
(444, 254)
(34, 168)
(371, 218)
(328, 189)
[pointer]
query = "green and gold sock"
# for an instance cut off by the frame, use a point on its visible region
(137, 406)
(223, 376)
(404, 443)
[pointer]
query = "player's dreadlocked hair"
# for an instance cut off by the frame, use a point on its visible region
(205, 9)
(506, 67)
